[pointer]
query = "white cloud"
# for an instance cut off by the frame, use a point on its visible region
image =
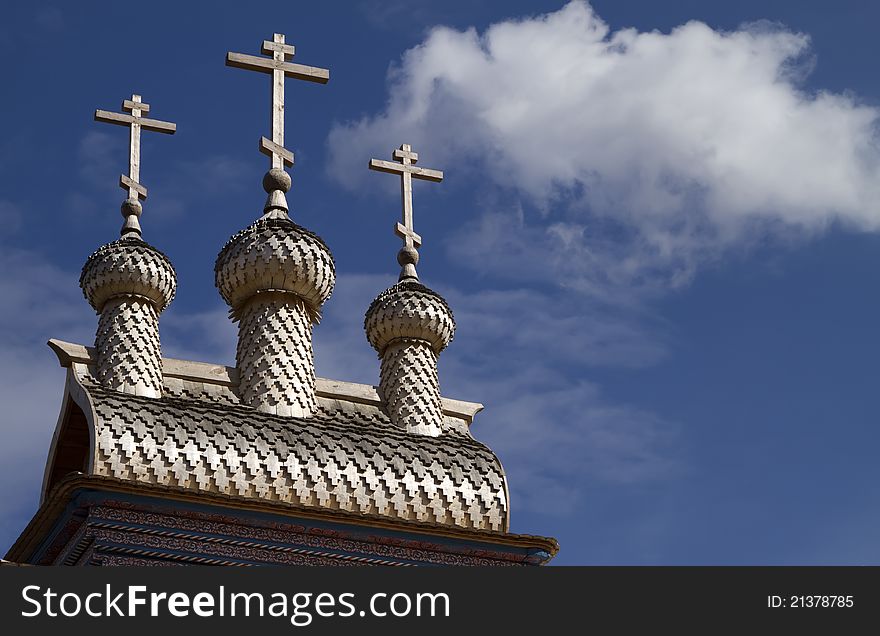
(646, 153)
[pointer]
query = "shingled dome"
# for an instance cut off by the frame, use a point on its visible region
(128, 266)
(408, 309)
(275, 254)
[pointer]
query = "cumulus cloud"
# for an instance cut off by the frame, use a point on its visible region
(643, 153)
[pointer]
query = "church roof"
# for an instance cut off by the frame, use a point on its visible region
(347, 456)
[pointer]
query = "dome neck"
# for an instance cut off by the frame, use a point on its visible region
(408, 273)
(276, 183)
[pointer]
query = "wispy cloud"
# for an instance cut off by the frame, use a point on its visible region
(186, 183)
(411, 15)
(557, 441)
(10, 218)
(39, 301)
(208, 336)
(100, 156)
(525, 354)
(174, 188)
(516, 352)
(553, 434)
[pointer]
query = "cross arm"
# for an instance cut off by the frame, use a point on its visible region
(265, 65)
(398, 168)
(130, 105)
(269, 148)
(127, 183)
(122, 119)
(280, 47)
(403, 232)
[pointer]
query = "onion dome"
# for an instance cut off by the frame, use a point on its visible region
(408, 309)
(128, 266)
(275, 254)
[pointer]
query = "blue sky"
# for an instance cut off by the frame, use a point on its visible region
(657, 231)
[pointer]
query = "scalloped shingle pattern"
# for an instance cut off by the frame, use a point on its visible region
(125, 267)
(409, 325)
(346, 456)
(275, 255)
(410, 388)
(274, 355)
(127, 343)
(129, 283)
(409, 310)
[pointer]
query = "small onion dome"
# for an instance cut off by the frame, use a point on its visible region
(408, 309)
(128, 266)
(275, 254)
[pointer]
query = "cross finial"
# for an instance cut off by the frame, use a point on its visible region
(132, 208)
(408, 256)
(277, 182)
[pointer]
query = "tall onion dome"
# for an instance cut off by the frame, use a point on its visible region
(275, 275)
(129, 283)
(409, 325)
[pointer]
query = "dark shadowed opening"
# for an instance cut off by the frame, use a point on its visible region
(72, 450)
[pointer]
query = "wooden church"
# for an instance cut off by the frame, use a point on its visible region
(157, 461)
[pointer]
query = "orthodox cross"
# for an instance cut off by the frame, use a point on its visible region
(134, 120)
(280, 67)
(407, 171)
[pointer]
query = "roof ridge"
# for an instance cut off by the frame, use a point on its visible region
(206, 372)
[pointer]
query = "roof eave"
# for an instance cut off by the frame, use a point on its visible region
(44, 520)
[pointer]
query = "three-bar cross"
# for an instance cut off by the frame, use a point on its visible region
(407, 170)
(135, 122)
(280, 67)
